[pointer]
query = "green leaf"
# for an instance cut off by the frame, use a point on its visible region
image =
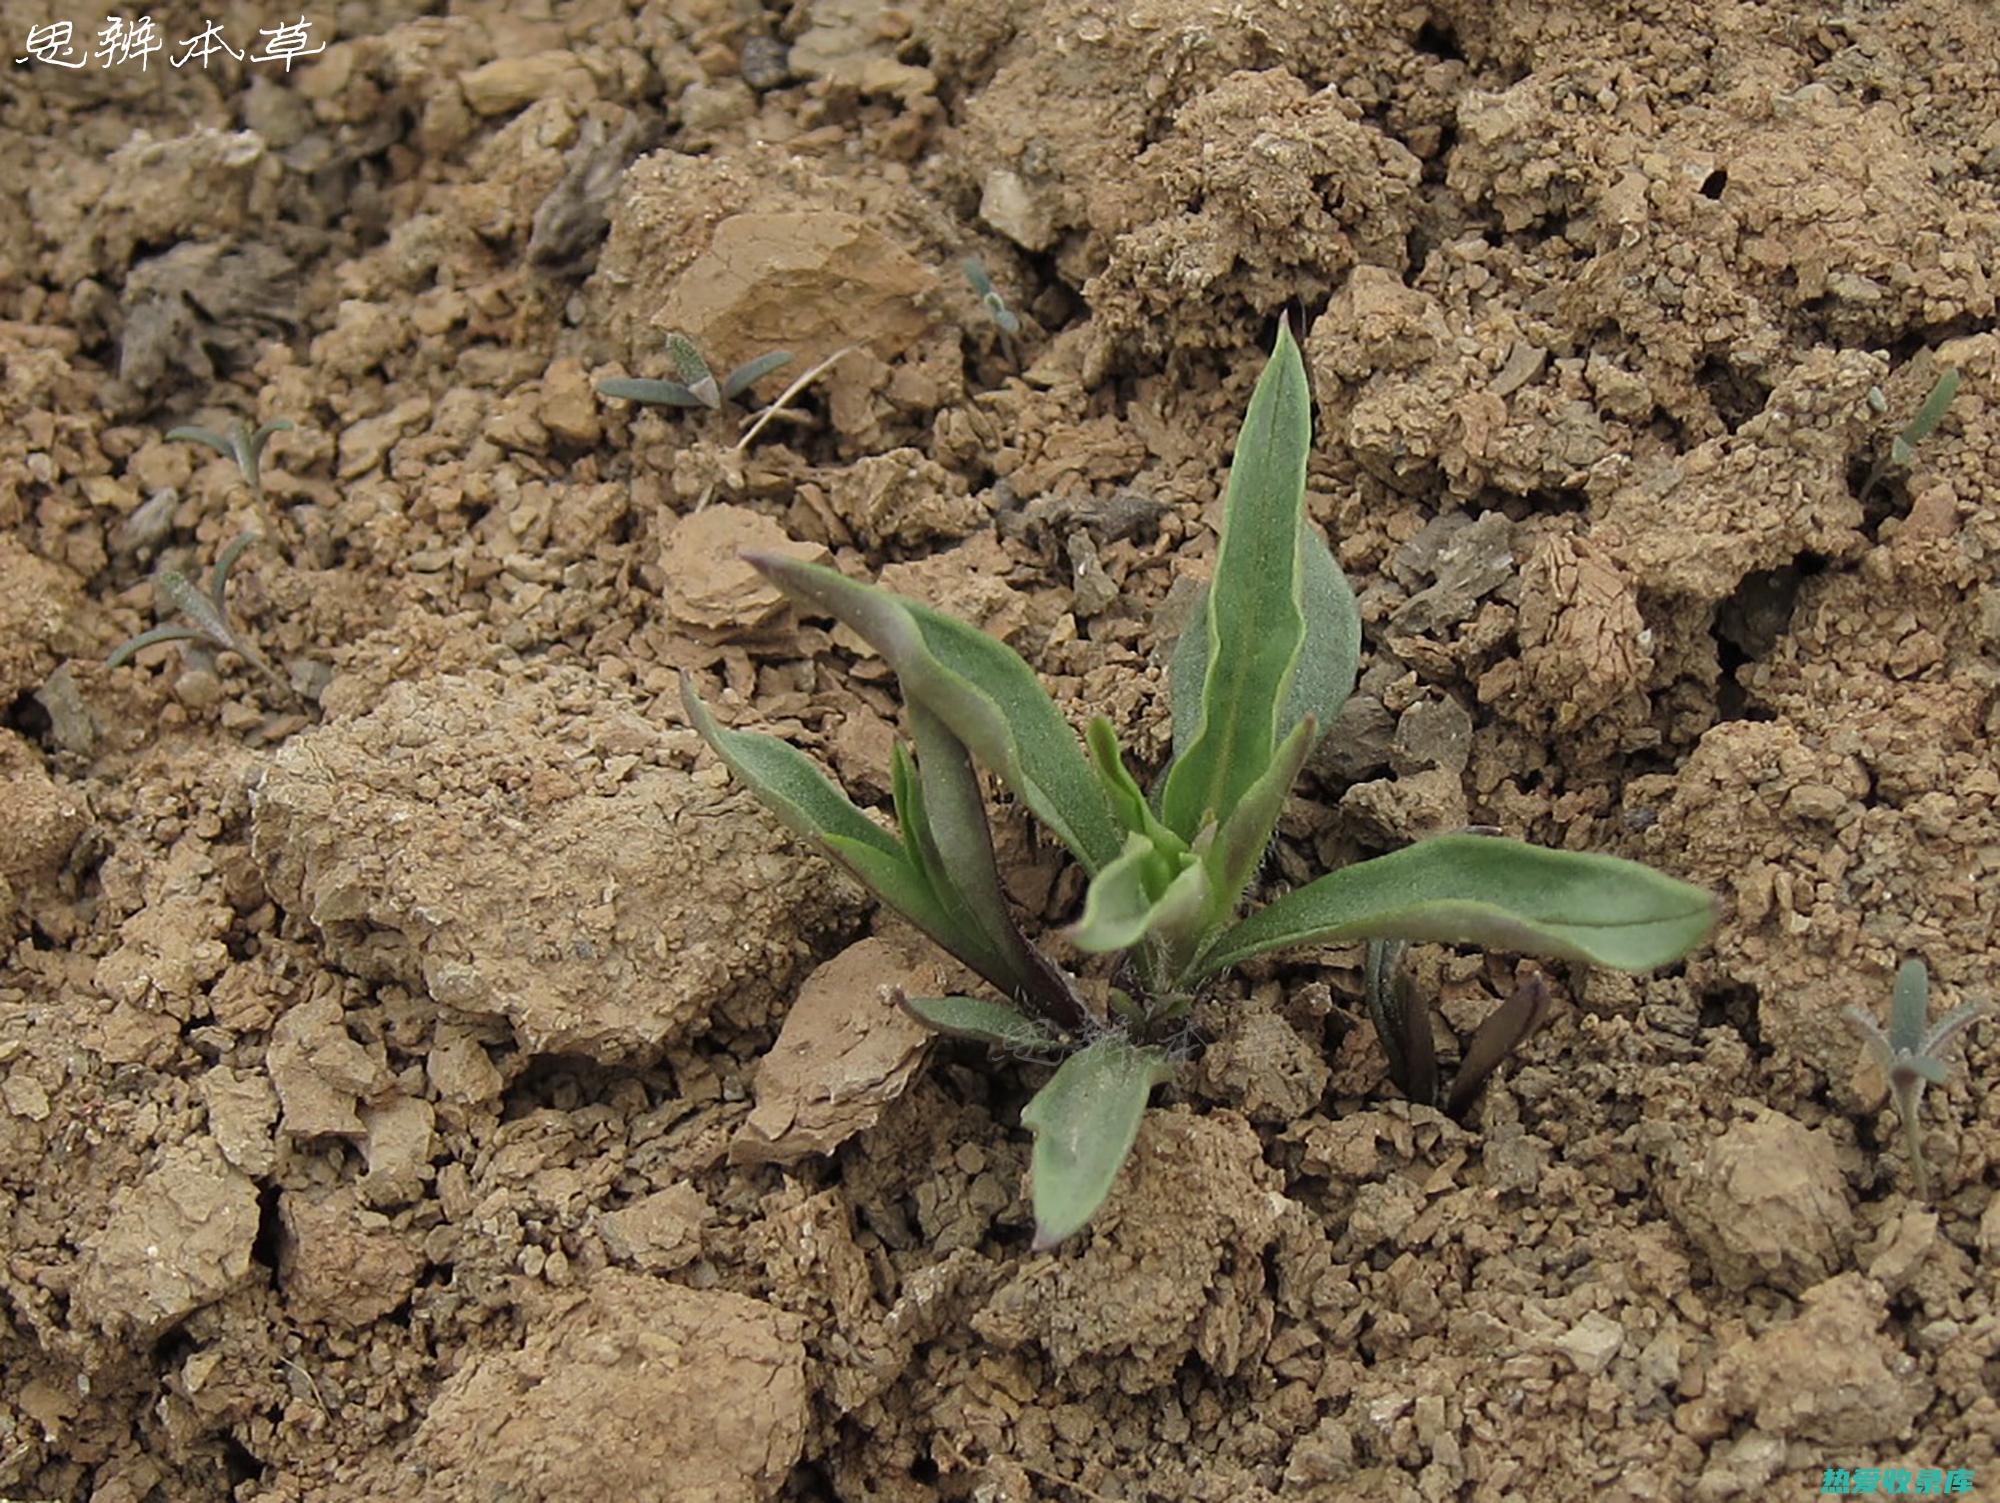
(786, 782)
(981, 1020)
(1475, 889)
(981, 689)
(907, 889)
(1085, 1121)
(959, 861)
(1332, 656)
(1904, 449)
(208, 436)
(218, 578)
(1121, 789)
(1144, 892)
(751, 372)
(1252, 618)
(1910, 1012)
(1327, 666)
(638, 389)
(920, 852)
(150, 638)
(1233, 857)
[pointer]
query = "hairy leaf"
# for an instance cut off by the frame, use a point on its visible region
(1144, 892)
(696, 378)
(979, 687)
(962, 865)
(1474, 889)
(785, 781)
(1085, 1121)
(1252, 618)
(1331, 658)
(981, 1020)
(1910, 1012)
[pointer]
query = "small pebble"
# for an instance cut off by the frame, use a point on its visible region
(198, 688)
(766, 63)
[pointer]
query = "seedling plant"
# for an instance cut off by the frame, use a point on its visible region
(1403, 1023)
(1268, 658)
(204, 616)
(989, 296)
(241, 443)
(1903, 448)
(1911, 1054)
(697, 386)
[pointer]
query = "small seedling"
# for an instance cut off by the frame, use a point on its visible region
(697, 386)
(759, 421)
(1403, 1023)
(1269, 657)
(989, 296)
(1903, 448)
(242, 443)
(1911, 1055)
(205, 617)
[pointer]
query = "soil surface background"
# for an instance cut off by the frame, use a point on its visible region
(424, 1074)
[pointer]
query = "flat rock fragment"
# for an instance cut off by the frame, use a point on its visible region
(180, 1239)
(806, 281)
(710, 588)
(845, 1052)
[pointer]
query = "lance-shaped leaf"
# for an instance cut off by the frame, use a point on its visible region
(750, 372)
(1144, 893)
(787, 783)
(1402, 1021)
(981, 689)
(981, 1020)
(1085, 1121)
(1904, 449)
(642, 389)
(959, 860)
(1331, 658)
(1474, 889)
(1252, 619)
(920, 852)
(1506, 1028)
(1327, 665)
(1233, 856)
(1122, 791)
